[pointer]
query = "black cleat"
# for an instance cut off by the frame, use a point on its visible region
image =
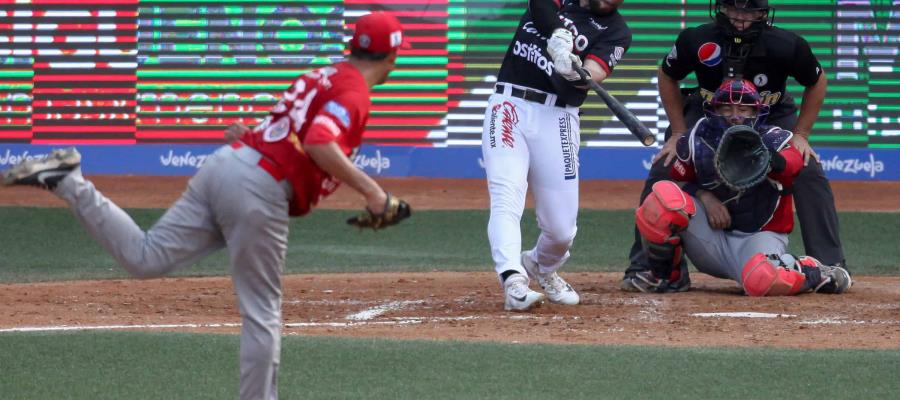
(44, 172)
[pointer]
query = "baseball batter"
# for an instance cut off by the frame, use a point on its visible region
(737, 235)
(531, 138)
(243, 195)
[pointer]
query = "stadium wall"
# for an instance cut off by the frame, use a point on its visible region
(453, 162)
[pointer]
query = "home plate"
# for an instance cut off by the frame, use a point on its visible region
(743, 315)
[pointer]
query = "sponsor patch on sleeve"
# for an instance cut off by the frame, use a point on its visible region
(328, 124)
(338, 111)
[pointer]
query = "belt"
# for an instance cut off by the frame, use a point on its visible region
(264, 163)
(533, 96)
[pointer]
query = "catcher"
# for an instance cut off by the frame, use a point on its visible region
(732, 210)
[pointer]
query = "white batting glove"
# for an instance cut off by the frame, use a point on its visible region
(560, 41)
(565, 66)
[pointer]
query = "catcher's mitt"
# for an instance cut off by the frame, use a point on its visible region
(742, 159)
(395, 210)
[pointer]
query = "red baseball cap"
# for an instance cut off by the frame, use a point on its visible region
(378, 32)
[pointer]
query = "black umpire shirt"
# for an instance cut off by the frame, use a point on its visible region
(605, 39)
(777, 54)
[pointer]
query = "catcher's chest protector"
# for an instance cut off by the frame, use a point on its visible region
(754, 207)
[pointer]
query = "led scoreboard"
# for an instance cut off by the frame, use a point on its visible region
(165, 71)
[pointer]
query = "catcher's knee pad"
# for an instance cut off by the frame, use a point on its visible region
(769, 275)
(664, 213)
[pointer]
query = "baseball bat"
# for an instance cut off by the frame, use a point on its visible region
(628, 118)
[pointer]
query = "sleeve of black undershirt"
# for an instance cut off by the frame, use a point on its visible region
(544, 14)
(680, 60)
(805, 68)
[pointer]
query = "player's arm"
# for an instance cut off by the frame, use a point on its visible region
(786, 165)
(673, 104)
(597, 71)
(602, 58)
(675, 67)
(544, 15)
(235, 131)
(337, 118)
(808, 72)
(331, 159)
(682, 169)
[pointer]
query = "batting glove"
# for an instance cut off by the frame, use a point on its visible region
(560, 41)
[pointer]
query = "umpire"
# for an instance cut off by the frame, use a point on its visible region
(742, 43)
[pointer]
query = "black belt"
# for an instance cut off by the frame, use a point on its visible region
(530, 95)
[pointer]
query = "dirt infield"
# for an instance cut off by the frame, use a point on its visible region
(468, 306)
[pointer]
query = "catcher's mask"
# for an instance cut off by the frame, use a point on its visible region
(736, 92)
(753, 15)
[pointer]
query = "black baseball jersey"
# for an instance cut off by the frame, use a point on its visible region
(776, 55)
(605, 39)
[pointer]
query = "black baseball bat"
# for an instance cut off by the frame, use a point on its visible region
(630, 121)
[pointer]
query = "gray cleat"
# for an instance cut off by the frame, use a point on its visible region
(44, 172)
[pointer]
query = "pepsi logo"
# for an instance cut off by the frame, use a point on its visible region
(710, 54)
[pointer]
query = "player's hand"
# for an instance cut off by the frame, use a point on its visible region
(716, 212)
(668, 151)
(391, 212)
(802, 145)
(560, 41)
(560, 46)
(234, 131)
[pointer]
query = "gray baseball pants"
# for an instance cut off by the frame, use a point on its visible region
(723, 254)
(231, 202)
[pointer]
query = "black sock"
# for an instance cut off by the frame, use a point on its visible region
(507, 274)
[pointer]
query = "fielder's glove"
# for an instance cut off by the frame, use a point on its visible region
(395, 210)
(742, 159)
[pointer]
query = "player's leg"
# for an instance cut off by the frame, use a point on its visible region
(553, 178)
(180, 238)
(766, 270)
(254, 220)
(661, 219)
(505, 154)
(693, 111)
(814, 201)
(707, 248)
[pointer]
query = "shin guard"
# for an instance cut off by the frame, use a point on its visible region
(771, 275)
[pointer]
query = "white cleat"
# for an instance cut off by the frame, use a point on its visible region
(518, 296)
(556, 288)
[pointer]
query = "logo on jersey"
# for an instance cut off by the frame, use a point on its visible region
(569, 149)
(508, 121)
(673, 55)
(339, 112)
(596, 25)
(615, 56)
(710, 54)
(532, 53)
(760, 80)
(277, 131)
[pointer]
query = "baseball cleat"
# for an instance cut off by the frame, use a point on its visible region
(518, 296)
(558, 291)
(647, 282)
(44, 172)
(835, 280)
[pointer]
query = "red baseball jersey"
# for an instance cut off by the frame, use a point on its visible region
(329, 104)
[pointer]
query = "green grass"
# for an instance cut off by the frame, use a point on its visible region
(202, 366)
(46, 244)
